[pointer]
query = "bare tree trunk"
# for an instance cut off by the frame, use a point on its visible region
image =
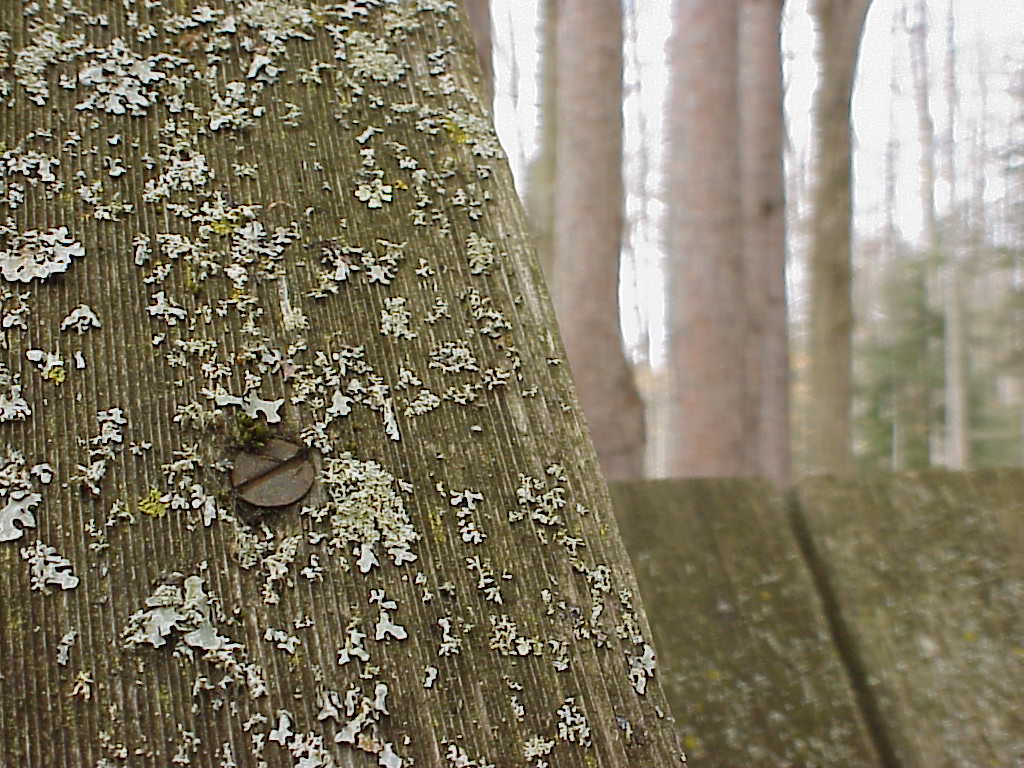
(840, 24)
(479, 12)
(540, 198)
(588, 230)
(891, 237)
(707, 313)
(915, 396)
(958, 444)
(762, 134)
(292, 474)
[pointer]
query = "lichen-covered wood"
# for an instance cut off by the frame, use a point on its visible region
(928, 576)
(229, 223)
(745, 652)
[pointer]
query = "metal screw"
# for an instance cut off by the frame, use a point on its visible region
(277, 475)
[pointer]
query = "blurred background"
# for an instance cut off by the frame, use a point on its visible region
(890, 339)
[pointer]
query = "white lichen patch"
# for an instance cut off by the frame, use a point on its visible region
(282, 639)
(14, 310)
(13, 407)
(537, 748)
(234, 109)
(168, 609)
(490, 321)
(365, 511)
(165, 309)
(368, 57)
(453, 357)
(48, 568)
(467, 128)
(183, 169)
(506, 639)
(451, 643)
(385, 627)
(572, 723)
(458, 758)
(35, 169)
(487, 580)
(51, 365)
(641, 668)
(189, 618)
(17, 491)
(481, 254)
(362, 728)
(277, 566)
(373, 191)
(277, 21)
(424, 402)
(430, 674)
(31, 255)
(253, 405)
(80, 320)
(46, 49)
(465, 503)
(102, 449)
(120, 81)
(353, 647)
(64, 647)
(395, 319)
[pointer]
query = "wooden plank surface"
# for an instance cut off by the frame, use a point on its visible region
(745, 652)
(928, 573)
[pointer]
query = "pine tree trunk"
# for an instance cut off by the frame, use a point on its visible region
(707, 316)
(840, 24)
(294, 474)
(762, 134)
(588, 230)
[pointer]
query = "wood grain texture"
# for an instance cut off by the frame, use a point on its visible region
(295, 169)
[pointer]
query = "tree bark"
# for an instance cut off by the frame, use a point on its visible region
(479, 12)
(840, 25)
(588, 230)
(540, 197)
(915, 393)
(707, 314)
(958, 444)
(292, 473)
(762, 135)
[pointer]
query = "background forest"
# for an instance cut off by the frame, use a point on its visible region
(892, 339)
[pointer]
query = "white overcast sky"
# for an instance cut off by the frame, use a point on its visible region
(990, 45)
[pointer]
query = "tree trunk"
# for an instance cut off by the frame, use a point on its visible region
(958, 444)
(479, 12)
(293, 473)
(763, 186)
(588, 230)
(916, 394)
(540, 196)
(707, 314)
(840, 24)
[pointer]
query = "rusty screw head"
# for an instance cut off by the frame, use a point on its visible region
(277, 475)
